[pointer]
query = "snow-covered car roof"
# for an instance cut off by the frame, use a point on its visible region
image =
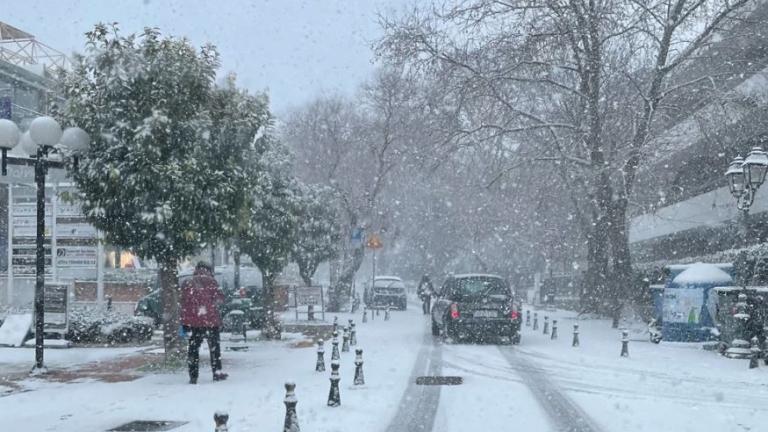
(389, 283)
(395, 278)
(475, 275)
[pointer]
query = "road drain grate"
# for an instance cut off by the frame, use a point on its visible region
(148, 426)
(439, 380)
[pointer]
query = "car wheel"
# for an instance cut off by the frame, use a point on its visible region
(435, 329)
(516, 339)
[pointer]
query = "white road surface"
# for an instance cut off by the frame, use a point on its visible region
(541, 385)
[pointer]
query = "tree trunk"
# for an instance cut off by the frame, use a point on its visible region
(622, 260)
(271, 330)
(307, 269)
(306, 278)
(343, 287)
(236, 262)
(171, 296)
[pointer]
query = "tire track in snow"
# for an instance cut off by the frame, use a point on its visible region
(564, 414)
(418, 406)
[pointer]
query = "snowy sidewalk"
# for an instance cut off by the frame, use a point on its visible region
(253, 395)
(659, 387)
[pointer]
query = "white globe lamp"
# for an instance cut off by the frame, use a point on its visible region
(45, 131)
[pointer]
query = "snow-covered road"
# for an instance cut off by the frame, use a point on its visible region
(541, 385)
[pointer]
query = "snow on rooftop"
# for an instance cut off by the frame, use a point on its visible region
(700, 273)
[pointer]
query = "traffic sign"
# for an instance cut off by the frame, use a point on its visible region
(374, 242)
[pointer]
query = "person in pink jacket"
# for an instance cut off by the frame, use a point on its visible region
(200, 299)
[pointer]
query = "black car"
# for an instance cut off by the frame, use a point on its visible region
(476, 306)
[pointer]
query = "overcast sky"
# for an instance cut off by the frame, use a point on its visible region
(294, 49)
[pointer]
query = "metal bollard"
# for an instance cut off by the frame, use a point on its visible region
(359, 378)
(546, 325)
(535, 321)
(320, 365)
(352, 334)
(365, 315)
(345, 340)
(377, 311)
(624, 343)
(386, 314)
(554, 330)
(334, 397)
(291, 420)
(528, 318)
(221, 418)
(754, 358)
(575, 335)
(335, 351)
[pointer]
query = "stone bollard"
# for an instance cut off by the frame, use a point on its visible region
(528, 318)
(334, 397)
(291, 420)
(345, 340)
(335, 351)
(765, 349)
(386, 314)
(754, 358)
(310, 312)
(535, 321)
(352, 334)
(335, 324)
(554, 329)
(359, 377)
(221, 418)
(365, 315)
(546, 325)
(320, 365)
(740, 347)
(624, 343)
(575, 335)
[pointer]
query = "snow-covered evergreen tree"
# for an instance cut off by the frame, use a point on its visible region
(158, 178)
(319, 231)
(270, 234)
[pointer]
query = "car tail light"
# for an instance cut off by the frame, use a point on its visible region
(514, 314)
(455, 311)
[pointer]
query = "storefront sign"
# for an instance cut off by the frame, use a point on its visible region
(56, 307)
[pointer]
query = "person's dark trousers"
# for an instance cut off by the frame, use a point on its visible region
(425, 304)
(196, 336)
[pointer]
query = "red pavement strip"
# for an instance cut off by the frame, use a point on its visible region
(120, 369)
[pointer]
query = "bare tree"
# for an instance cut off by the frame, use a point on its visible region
(583, 80)
(354, 146)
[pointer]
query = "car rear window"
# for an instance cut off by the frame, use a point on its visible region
(480, 286)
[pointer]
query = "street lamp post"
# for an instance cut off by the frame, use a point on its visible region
(43, 138)
(745, 176)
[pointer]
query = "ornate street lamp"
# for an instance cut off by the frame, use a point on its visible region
(43, 138)
(745, 176)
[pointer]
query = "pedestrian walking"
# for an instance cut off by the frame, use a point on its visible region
(200, 298)
(425, 291)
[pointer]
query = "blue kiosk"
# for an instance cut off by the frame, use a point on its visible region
(686, 313)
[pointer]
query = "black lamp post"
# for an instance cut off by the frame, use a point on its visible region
(43, 138)
(745, 176)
